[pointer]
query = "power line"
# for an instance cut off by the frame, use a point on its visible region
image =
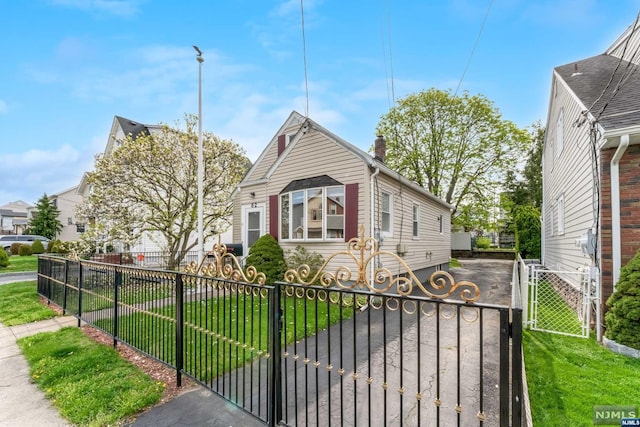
(304, 55)
(475, 45)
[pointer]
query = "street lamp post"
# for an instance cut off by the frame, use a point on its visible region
(200, 60)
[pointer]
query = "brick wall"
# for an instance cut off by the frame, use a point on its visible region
(629, 211)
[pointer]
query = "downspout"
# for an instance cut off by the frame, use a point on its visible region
(372, 213)
(616, 244)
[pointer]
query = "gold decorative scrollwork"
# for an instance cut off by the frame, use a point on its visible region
(225, 266)
(364, 251)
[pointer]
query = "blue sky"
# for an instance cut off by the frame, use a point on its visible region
(69, 66)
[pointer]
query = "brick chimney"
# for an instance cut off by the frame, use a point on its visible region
(380, 149)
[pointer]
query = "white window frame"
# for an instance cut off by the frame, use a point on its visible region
(389, 232)
(253, 207)
(305, 218)
(560, 204)
(415, 223)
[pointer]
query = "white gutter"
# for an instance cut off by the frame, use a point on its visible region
(372, 213)
(616, 244)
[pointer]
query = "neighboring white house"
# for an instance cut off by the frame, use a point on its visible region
(120, 129)
(310, 187)
(591, 180)
(66, 202)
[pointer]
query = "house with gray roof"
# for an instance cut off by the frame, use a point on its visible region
(309, 187)
(591, 160)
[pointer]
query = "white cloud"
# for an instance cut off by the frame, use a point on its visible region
(30, 174)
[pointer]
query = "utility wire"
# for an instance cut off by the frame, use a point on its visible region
(624, 50)
(304, 55)
(475, 45)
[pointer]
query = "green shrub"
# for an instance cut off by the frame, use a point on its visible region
(4, 258)
(24, 250)
(60, 247)
(623, 317)
(50, 245)
(37, 247)
(483, 242)
(528, 232)
(15, 247)
(301, 256)
(267, 257)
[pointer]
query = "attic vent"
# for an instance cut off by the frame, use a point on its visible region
(132, 123)
(575, 71)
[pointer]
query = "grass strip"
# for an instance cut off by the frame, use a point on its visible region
(20, 303)
(89, 383)
(568, 376)
(21, 263)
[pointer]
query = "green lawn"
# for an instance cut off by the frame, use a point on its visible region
(21, 263)
(20, 303)
(89, 383)
(568, 376)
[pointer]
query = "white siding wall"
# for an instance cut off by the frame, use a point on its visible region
(431, 247)
(568, 174)
(66, 203)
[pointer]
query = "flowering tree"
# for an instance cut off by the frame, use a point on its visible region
(149, 184)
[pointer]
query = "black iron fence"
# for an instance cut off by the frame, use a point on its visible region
(345, 355)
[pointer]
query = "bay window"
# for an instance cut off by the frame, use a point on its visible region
(313, 214)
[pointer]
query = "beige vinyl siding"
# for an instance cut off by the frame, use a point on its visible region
(568, 174)
(314, 155)
(270, 155)
(431, 248)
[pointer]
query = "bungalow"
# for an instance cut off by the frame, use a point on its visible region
(591, 198)
(312, 188)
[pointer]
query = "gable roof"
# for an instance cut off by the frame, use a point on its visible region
(588, 79)
(305, 125)
(131, 127)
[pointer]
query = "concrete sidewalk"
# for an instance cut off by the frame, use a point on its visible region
(21, 402)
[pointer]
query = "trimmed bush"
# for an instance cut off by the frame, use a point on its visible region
(15, 247)
(24, 250)
(483, 242)
(50, 245)
(528, 232)
(4, 258)
(301, 256)
(267, 257)
(623, 317)
(37, 247)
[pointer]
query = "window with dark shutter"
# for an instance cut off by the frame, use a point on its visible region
(281, 144)
(273, 216)
(351, 217)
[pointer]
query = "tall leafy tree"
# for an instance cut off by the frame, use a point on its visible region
(149, 185)
(457, 147)
(44, 221)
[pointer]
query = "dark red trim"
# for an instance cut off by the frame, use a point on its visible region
(273, 216)
(351, 214)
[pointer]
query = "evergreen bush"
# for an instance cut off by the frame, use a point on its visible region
(623, 317)
(528, 232)
(4, 258)
(267, 257)
(24, 250)
(37, 247)
(51, 244)
(301, 256)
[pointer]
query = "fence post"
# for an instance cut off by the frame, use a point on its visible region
(504, 367)
(275, 392)
(80, 279)
(516, 367)
(66, 286)
(116, 288)
(179, 329)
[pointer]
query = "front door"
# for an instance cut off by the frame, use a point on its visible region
(253, 225)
